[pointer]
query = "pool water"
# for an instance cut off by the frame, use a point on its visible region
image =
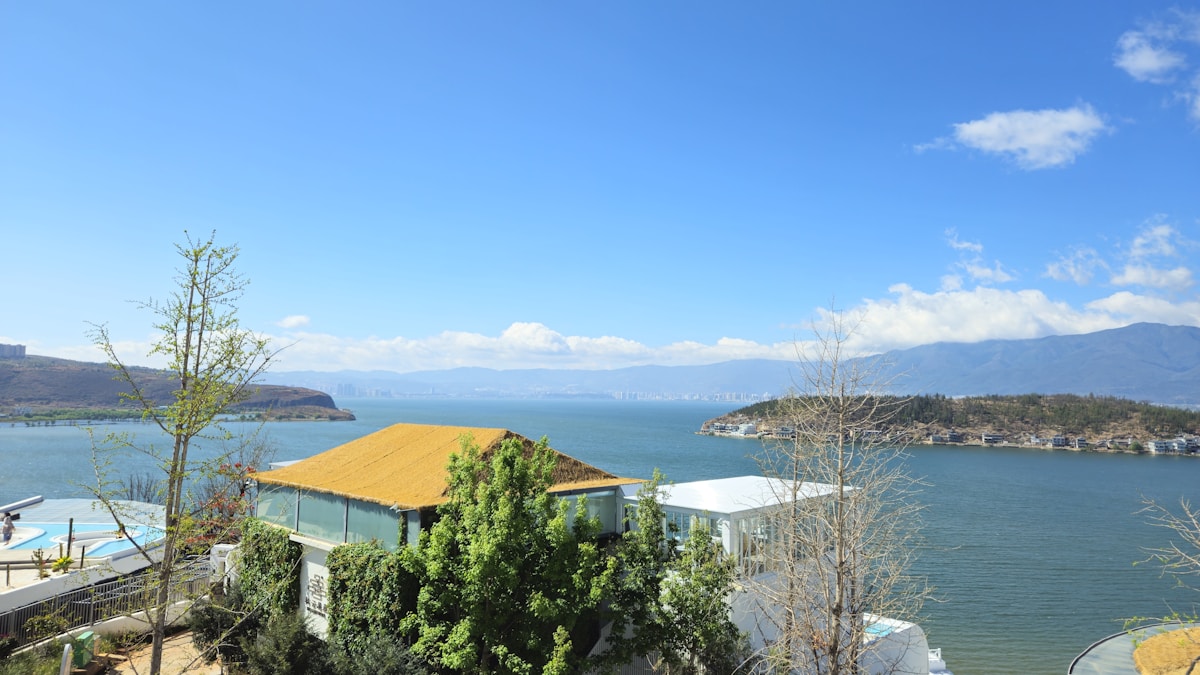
(48, 536)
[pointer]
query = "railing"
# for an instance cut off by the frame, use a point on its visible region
(105, 600)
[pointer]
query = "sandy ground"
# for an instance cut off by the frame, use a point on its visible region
(1170, 653)
(178, 652)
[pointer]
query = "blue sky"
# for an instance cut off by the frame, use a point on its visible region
(595, 185)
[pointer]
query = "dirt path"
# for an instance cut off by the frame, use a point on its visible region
(178, 653)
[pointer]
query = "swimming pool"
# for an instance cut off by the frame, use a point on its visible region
(99, 538)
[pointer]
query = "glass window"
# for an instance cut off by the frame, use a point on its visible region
(602, 505)
(277, 505)
(366, 521)
(323, 516)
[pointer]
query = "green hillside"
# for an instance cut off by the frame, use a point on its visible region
(1095, 418)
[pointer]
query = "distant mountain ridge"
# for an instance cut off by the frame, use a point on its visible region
(1142, 362)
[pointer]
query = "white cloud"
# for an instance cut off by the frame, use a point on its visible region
(959, 245)
(1147, 308)
(1144, 60)
(293, 321)
(988, 274)
(521, 345)
(1035, 139)
(1079, 266)
(913, 317)
(1175, 279)
(1158, 53)
(1152, 260)
(974, 265)
(1154, 240)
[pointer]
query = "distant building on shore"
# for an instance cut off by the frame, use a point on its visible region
(12, 351)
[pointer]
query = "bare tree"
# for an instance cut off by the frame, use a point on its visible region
(836, 552)
(1180, 557)
(212, 363)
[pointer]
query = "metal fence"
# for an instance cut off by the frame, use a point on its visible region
(105, 600)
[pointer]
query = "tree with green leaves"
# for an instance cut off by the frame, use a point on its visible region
(509, 578)
(670, 599)
(212, 362)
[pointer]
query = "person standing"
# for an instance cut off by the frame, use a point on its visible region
(8, 527)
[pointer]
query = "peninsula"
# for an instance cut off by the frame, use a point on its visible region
(43, 388)
(1066, 421)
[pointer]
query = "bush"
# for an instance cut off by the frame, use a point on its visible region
(378, 654)
(41, 660)
(45, 626)
(220, 627)
(286, 647)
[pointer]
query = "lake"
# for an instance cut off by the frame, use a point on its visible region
(1032, 551)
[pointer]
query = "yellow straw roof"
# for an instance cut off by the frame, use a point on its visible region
(404, 466)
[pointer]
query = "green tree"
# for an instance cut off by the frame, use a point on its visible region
(671, 604)
(508, 577)
(213, 362)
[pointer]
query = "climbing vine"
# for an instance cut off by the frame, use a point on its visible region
(269, 568)
(371, 591)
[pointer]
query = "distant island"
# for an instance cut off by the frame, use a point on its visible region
(40, 389)
(1056, 421)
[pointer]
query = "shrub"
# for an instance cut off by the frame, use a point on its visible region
(286, 647)
(219, 627)
(45, 626)
(378, 654)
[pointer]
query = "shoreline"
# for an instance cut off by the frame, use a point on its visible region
(1090, 449)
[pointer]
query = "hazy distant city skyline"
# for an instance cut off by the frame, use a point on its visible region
(420, 186)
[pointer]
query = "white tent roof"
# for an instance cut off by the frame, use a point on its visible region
(731, 495)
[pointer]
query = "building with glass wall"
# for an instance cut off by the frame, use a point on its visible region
(386, 487)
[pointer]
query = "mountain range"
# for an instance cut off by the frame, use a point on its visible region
(1143, 362)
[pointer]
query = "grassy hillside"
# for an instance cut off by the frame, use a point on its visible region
(1017, 417)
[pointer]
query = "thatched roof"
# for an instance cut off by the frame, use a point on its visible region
(404, 466)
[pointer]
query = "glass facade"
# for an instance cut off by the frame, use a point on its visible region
(322, 516)
(366, 521)
(341, 520)
(277, 505)
(602, 505)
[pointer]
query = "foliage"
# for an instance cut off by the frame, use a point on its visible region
(212, 362)
(1069, 414)
(220, 624)
(8, 644)
(371, 591)
(508, 581)
(269, 568)
(40, 561)
(223, 509)
(840, 544)
(62, 563)
(377, 654)
(285, 646)
(45, 626)
(669, 602)
(44, 660)
(701, 636)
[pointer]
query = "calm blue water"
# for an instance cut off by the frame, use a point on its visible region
(51, 531)
(1032, 551)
